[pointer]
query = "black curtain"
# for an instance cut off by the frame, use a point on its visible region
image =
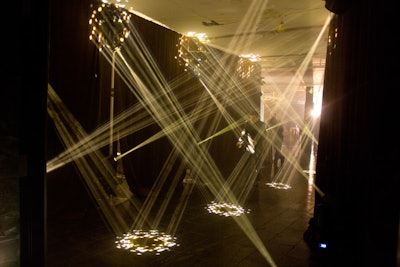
(359, 213)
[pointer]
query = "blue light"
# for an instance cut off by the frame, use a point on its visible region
(323, 245)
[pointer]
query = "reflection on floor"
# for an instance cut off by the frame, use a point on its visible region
(79, 236)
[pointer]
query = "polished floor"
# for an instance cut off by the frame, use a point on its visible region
(78, 235)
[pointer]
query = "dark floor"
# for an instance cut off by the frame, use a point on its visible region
(79, 236)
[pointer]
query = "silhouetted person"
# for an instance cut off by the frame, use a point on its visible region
(252, 140)
(270, 132)
(279, 159)
(276, 130)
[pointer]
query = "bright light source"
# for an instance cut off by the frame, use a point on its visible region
(316, 113)
(323, 245)
(226, 209)
(279, 185)
(139, 242)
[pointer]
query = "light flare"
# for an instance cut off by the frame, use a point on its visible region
(226, 209)
(141, 241)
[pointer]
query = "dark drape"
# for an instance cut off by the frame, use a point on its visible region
(358, 215)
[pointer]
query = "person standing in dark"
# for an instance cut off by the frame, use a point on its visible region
(277, 133)
(252, 140)
(270, 133)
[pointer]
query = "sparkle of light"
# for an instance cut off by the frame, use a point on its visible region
(279, 185)
(140, 242)
(109, 26)
(191, 53)
(226, 209)
(247, 67)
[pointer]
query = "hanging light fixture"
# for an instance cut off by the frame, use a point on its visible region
(191, 51)
(109, 24)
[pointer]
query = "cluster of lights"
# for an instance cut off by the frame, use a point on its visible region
(109, 24)
(279, 185)
(248, 66)
(191, 52)
(226, 209)
(140, 242)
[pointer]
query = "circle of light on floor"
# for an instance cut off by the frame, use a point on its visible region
(140, 242)
(226, 209)
(279, 185)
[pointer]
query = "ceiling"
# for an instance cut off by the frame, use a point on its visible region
(282, 33)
